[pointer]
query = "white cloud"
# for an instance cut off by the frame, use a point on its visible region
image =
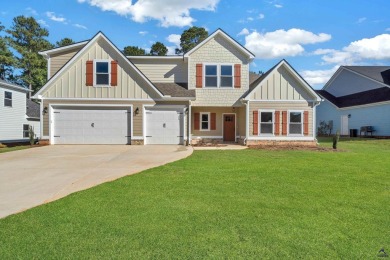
(80, 26)
(167, 12)
(52, 16)
(244, 31)
(278, 6)
(143, 33)
(175, 39)
(43, 23)
(281, 43)
(362, 19)
(261, 16)
(376, 48)
(31, 11)
(318, 77)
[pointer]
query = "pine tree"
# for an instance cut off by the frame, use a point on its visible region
(7, 59)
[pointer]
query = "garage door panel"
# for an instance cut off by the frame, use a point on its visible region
(164, 126)
(92, 126)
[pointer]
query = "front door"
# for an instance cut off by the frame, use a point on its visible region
(344, 125)
(229, 128)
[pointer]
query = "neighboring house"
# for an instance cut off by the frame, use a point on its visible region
(96, 95)
(355, 97)
(17, 114)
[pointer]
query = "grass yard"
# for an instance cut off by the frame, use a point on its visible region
(222, 204)
(14, 148)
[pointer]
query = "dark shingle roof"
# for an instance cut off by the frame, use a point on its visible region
(378, 73)
(252, 77)
(174, 89)
(32, 109)
(361, 98)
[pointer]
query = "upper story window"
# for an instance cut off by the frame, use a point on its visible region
(218, 76)
(102, 73)
(7, 99)
(295, 122)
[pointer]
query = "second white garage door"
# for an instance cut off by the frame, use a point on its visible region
(164, 126)
(91, 125)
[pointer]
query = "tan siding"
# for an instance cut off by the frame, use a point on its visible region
(162, 70)
(280, 106)
(59, 60)
(71, 82)
(218, 50)
(137, 119)
(241, 119)
(280, 85)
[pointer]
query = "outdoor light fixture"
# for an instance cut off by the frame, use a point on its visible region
(349, 115)
(44, 111)
(136, 111)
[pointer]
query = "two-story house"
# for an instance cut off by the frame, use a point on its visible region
(17, 114)
(96, 95)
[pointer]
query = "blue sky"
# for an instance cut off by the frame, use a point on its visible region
(314, 36)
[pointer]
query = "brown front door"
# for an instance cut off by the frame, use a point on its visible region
(229, 128)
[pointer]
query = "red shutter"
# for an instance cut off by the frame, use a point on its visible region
(284, 122)
(89, 73)
(306, 122)
(255, 122)
(237, 75)
(114, 73)
(199, 75)
(277, 122)
(213, 121)
(196, 121)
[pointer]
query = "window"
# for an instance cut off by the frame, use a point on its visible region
(211, 78)
(102, 73)
(226, 76)
(26, 129)
(266, 122)
(204, 121)
(295, 122)
(218, 76)
(7, 99)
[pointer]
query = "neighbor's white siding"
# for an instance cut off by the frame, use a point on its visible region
(163, 70)
(12, 118)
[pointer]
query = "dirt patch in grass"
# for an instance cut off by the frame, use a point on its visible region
(294, 148)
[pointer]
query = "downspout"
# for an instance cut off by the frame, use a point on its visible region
(189, 123)
(315, 104)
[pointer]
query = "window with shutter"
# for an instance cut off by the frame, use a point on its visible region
(255, 122)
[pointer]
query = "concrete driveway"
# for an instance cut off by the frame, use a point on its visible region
(35, 176)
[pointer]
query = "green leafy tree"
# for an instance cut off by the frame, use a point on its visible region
(158, 49)
(27, 37)
(7, 59)
(190, 38)
(64, 42)
(133, 51)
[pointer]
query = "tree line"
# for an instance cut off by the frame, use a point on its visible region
(21, 64)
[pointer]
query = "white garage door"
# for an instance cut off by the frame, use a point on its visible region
(91, 125)
(164, 126)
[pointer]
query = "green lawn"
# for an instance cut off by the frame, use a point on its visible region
(222, 204)
(15, 148)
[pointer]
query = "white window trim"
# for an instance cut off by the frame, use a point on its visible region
(288, 123)
(28, 131)
(8, 98)
(218, 75)
(259, 122)
(94, 73)
(200, 121)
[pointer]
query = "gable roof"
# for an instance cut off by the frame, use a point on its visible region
(227, 37)
(94, 39)
(12, 86)
(378, 74)
(357, 99)
(284, 63)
